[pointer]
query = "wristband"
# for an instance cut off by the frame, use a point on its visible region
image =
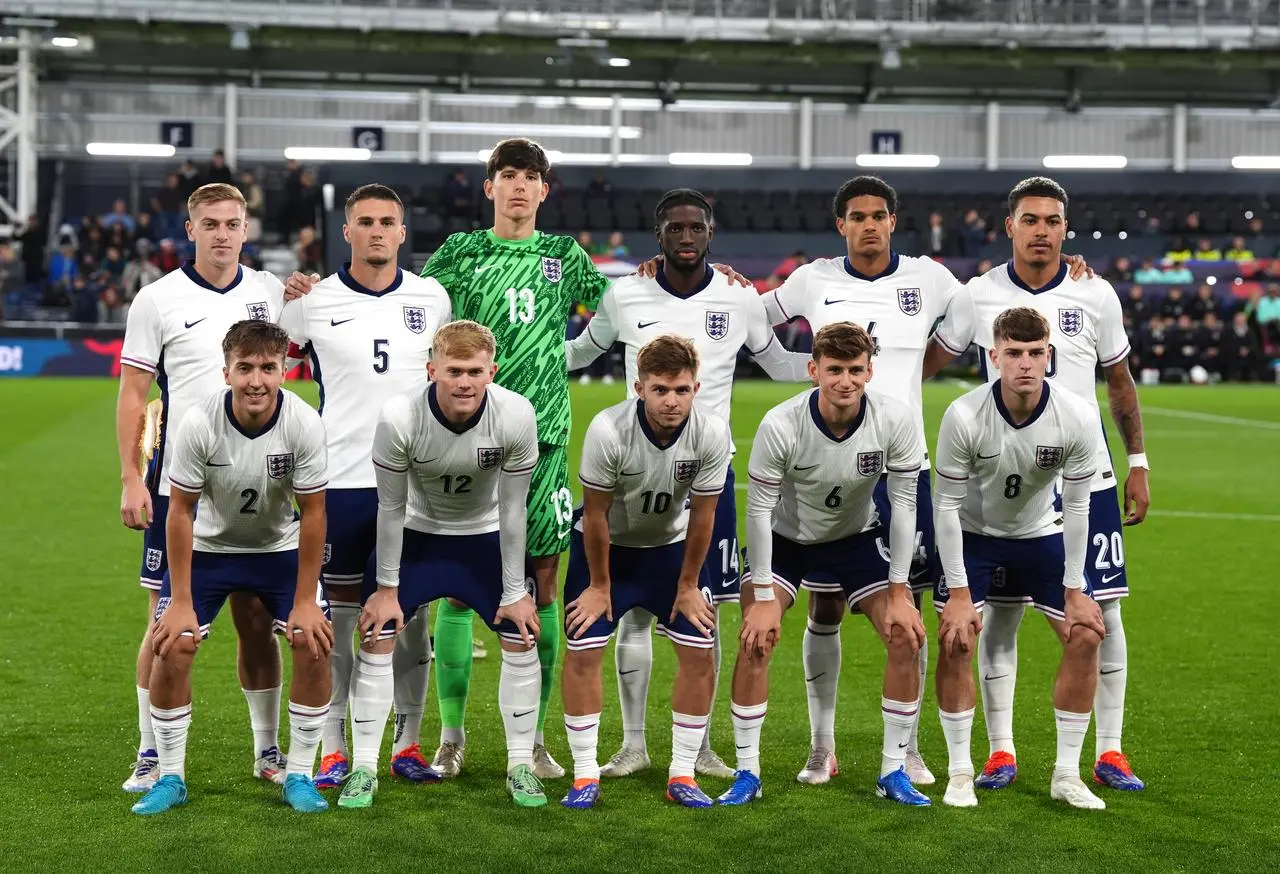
(764, 593)
(1139, 459)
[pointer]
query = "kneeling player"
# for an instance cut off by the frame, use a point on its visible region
(453, 461)
(636, 545)
(1000, 450)
(244, 455)
(814, 467)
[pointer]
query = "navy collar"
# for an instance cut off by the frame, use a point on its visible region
(190, 269)
(444, 420)
(1051, 284)
(857, 274)
(821, 423)
(665, 284)
(344, 274)
(253, 435)
(1008, 417)
(648, 431)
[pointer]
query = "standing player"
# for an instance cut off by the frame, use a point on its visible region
(1001, 449)
(174, 335)
(1086, 331)
(368, 330)
(652, 472)
(244, 455)
(815, 464)
(689, 299)
(453, 461)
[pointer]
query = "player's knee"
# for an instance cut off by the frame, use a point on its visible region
(180, 655)
(307, 668)
(826, 608)
(902, 646)
(698, 662)
(1083, 642)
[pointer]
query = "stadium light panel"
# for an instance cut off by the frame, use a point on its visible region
(709, 159)
(582, 131)
(1085, 162)
(130, 150)
(916, 161)
(1256, 162)
(315, 153)
(64, 42)
(619, 62)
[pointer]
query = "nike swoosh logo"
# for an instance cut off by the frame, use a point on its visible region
(1108, 579)
(216, 464)
(428, 461)
(480, 270)
(988, 457)
(810, 467)
(1112, 671)
(647, 324)
(632, 472)
(632, 671)
(726, 584)
(829, 301)
(196, 322)
(336, 322)
(743, 746)
(903, 746)
(425, 661)
(989, 678)
(524, 713)
(364, 721)
(814, 677)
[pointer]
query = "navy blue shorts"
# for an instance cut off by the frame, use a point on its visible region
(352, 535)
(925, 567)
(155, 553)
(1104, 561)
(723, 558)
(855, 566)
(272, 576)
(1012, 572)
(465, 567)
(640, 577)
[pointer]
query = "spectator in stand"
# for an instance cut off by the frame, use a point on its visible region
(600, 187)
(789, 265)
(618, 246)
(1241, 352)
(1178, 252)
(1210, 343)
(218, 170)
(33, 241)
(138, 272)
(1206, 251)
(983, 267)
(84, 300)
(111, 305)
(1268, 316)
(114, 263)
(973, 235)
(588, 244)
(249, 258)
(1120, 271)
(167, 257)
(169, 204)
(190, 179)
(1136, 307)
(936, 236)
(1149, 273)
(13, 275)
(255, 202)
(309, 252)
(1203, 304)
(1155, 343)
(1239, 250)
(1182, 342)
(1190, 223)
(459, 198)
(117, 236)
(1153, 227)
(1179, 274)
(91, 242)
(145, 230)
(1174, 305)
(300, 212)
(64, 264)
(118, 217)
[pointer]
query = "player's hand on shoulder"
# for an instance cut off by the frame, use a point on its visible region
(583, 612)
(1084, 612)
(695, 606)
(299, 285)
(734, 277)
(761, 626)
(1137, 496)
(310, 628)
(648, 269)
(524, 615)
(178, 618)
(1077, 268)
(135, 505)
(959, 626)
(382, 609)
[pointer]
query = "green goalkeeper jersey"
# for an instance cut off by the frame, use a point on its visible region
(522, 290)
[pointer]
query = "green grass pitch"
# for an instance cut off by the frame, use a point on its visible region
(1202, 703)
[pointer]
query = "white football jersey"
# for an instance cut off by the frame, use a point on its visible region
(366, 347)
(826, 482)
(247, 481)
(1010, 470)
(175, 330)
(720, 318)
(1086, 328)
(898, 308)
(649, 482)
(454, 469)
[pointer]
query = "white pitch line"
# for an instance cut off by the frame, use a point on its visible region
(1211, 417)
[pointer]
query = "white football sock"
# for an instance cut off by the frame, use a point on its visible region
(957, 728)
(687, 732)
(898, 717)
(411, 668)
(1071, 731)
(1113, 674)
(821, 648)
(264, 717)
(371, 694)
(519, 687)
(913, 743)
(998, 672)
(715, 687)
(747, 720)
(584, 741)
(305, 724)
(171, 727)
(633, 655)
(147, 737)
(342, 664)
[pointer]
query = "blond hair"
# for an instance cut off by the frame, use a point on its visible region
(1021, 325)
(215, 192)
(667, 355)
(463, 339)
(843, 341)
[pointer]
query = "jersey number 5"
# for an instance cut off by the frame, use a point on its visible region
(520, 305)
(381, 358)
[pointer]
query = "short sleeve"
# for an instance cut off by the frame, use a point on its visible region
(711, 476)
(311, 458)
(522, 441)
(956, 330)
(390, 446)
(954, 458)
(598, 468)
(190, 451)
(791, 298)
(143, 334)
(1113, 342)
(589, 283)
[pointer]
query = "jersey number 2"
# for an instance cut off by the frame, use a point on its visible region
(250, 500)
(520, 305)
